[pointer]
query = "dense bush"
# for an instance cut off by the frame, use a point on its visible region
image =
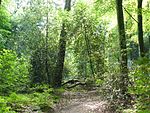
(13, 72)
(140, 88)
(28, 102)
(42, 66)
(3, 106)
(38, 101)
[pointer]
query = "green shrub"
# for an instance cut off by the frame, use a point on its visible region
(47, 97)
(19, 99)
(3, 106)
(40, 88)
(44, 100)
(13, 72)
(39, 101)
(99, 82)
(140, 88)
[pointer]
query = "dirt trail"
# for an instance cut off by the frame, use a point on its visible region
(82, 102)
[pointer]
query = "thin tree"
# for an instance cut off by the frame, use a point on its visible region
(46, 49)
(140, 28)
(87, 42)
(57, 79)
(123, 50)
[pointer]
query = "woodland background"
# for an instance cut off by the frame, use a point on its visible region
(48, 46)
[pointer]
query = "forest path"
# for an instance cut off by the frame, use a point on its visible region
(82, 102)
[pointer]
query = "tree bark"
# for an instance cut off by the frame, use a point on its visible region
(122, 39)
(57, 80)
(140, 29)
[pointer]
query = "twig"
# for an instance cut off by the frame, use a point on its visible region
(130, 15)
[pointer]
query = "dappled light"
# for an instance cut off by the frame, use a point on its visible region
(74, 56)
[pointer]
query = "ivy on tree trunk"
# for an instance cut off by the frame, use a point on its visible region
(123, 50)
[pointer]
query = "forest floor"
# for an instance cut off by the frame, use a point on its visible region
(82, 102)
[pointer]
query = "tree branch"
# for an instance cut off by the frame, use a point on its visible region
(130, 15)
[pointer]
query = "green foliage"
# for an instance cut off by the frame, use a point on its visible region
(99, 82)
(86, 48)
(42, 93)
(5, 26)
(40, 88)
(3, 106)
(13, 72)
(18, 102)
(141, 84)
(19, 99)
(42, 99)
(28, 26)
(4, 19)
(92, 41)
(38, 72)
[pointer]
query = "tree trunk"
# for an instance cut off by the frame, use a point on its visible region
(88, 50)
(46, 51)
(57, 80)
(140, 29)
(123, 62)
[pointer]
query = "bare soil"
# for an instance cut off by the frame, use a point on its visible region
(82, 102)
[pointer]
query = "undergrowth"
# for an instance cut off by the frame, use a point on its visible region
(37, 101)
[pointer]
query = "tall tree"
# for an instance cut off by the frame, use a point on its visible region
(87, 42)
(61, 53)
(122, 39)
(46, 47)
(140, 28)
